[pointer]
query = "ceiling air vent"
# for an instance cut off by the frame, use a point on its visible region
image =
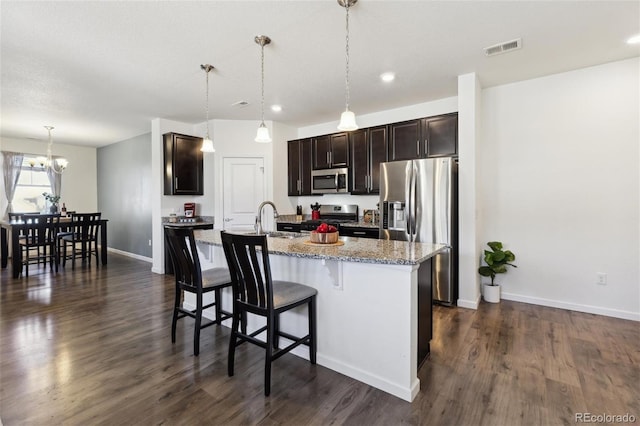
(507, 46)
(240, 104)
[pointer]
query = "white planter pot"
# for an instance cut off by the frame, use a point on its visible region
(491, 293)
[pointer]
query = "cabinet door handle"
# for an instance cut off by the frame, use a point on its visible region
(299, 185)
(359, 233)
(328, 160)
(227, 219)
(417, 147)
(366, 181)
(176, 182)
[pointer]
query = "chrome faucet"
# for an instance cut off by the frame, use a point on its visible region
(258, 225)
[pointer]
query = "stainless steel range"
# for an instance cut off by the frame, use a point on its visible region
(333, 214)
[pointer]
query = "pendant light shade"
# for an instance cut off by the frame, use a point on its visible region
(348, 118)
(207, 143)
(263, 133)
(347, 121)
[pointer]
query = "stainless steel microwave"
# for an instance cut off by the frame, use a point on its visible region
(330, 181)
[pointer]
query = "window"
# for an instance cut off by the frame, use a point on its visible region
(32, 183)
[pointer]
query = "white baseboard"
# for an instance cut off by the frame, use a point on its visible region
(133, 255)
(469, 304)
(598, 310)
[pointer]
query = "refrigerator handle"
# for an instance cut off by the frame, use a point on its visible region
(414, 204)
(407, 205)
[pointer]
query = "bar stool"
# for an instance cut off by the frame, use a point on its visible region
(256, 293)
(189, 277)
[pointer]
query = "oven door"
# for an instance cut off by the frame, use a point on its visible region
(329, 181)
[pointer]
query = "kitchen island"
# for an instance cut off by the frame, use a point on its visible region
(367, 304)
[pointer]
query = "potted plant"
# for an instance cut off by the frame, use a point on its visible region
(53, 199)
(496, 261)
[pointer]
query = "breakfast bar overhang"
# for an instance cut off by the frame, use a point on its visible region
(367, 302)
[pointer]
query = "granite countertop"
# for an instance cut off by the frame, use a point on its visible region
(354, 249)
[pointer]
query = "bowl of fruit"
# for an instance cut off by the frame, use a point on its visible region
(324, 234)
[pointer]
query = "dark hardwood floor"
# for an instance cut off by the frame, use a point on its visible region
(92, 347)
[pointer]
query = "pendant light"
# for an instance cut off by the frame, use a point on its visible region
(263, 133)
(348, 118)
(207, 143)
(57, 165)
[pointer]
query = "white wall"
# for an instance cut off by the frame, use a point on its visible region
(79, 181)
(559, 185)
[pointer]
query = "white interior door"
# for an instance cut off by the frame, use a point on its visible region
(244, 190)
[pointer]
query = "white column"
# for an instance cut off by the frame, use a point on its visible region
(469, 104)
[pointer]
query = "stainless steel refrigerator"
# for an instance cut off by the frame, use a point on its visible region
(418, 202)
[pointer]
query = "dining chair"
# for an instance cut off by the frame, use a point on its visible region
(81, 236)
(40, 235)
(189, 277)
(255, 292)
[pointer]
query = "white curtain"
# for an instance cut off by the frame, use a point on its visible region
(55, 180)
(11, 174)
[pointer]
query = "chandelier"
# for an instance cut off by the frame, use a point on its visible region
(48, 163)
(348, 118)
(207, 143)
(263, 132)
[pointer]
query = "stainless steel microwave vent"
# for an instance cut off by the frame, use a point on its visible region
(507, 46)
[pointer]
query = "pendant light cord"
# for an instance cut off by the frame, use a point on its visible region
(262, 80)
(207, 101)
(346, 82)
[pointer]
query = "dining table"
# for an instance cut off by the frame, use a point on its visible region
(16, 226)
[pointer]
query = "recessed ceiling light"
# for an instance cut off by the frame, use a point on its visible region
(276, 108)
(634, 40)
(387, 77)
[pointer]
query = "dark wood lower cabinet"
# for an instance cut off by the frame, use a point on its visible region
(359, 231)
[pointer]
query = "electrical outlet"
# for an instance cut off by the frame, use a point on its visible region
(602, 278)
(149, 243)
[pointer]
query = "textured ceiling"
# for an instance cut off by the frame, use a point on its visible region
(100, 71)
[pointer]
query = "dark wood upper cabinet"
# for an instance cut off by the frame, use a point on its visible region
(359, 173)
(330, 151)
(378, 142)
(440, 135)
(299, 167)
(183, 165)
(404, 140)
(368, 150)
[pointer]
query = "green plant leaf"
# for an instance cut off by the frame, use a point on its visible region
(495, 245)
(485, 271)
